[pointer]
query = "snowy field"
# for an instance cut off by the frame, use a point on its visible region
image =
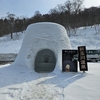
(22, 84)
(84, 36)
(19, 83)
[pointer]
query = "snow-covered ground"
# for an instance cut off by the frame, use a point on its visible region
(22, 84)
(85, 36)
(8, 45)
(19, 83)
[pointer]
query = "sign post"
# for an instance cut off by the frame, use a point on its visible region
(82, 58)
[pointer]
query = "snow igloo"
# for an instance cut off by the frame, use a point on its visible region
(42, 46)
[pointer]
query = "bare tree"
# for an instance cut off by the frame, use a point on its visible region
(61, 8)
(73, 8)
(77, 6)
(37, 17)
(68, 6)
(97, 29)
(11, 20)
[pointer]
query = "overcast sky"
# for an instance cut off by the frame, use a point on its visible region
(27, 8)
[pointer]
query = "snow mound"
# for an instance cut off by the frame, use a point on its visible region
(39, 36)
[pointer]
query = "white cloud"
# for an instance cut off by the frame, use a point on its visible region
(89, 3)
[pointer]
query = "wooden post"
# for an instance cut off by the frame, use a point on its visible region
(83, 71)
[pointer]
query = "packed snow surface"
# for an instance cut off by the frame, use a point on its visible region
(20, 83)
(17, 83)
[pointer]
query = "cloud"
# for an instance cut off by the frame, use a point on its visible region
(89, 3)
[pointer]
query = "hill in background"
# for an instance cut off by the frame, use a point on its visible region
(84, 37)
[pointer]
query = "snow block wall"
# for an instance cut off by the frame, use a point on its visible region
(39, 36)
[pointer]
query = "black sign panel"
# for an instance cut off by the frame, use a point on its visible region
(82, 58)
(69, 62)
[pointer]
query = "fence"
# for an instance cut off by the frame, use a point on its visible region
(7, 57)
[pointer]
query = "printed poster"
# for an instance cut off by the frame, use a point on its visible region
(69, 60)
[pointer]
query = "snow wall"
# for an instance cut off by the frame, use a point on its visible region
(39, 36)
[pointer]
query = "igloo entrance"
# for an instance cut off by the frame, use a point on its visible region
(45, 61)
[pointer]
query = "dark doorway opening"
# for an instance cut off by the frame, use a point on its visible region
(45, 61)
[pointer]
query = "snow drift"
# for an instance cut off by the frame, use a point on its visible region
(42, 36)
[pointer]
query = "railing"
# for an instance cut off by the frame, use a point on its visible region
(7, 57)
